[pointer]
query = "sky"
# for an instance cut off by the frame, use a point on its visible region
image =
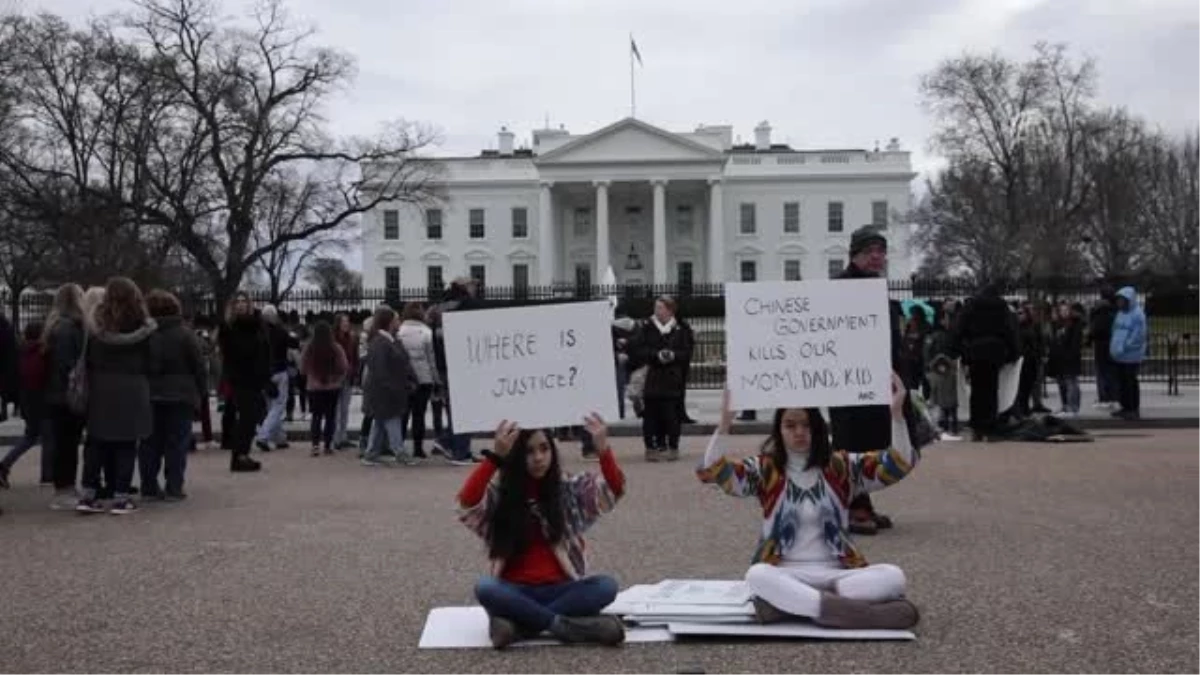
(824, 73)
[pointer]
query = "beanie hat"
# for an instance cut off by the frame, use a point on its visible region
(864, 237)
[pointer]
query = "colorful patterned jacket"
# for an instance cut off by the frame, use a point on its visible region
(847, 476)
(585, 497)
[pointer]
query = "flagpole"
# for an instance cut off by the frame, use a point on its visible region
(632, 90)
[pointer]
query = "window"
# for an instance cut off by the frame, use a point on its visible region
(479, 274)
(748, 224)
(520, 222)
(835, 216)
(583, 275)
(475, 220)
(521, 276)
(836, 267)
(684, 271)
(683, 221)
(791, 217)
(391, 225)
(434, 278)
(583, 222)
(391, 280)
(879, 213)
(749, 270)
(433, 224)
(791, 270)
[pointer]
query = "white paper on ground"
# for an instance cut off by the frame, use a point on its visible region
(784, 630)
(467, 628)
(699, 592)
(664, 619)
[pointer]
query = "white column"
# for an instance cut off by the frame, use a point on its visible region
(716, 232)
(548, 249)
(660, 231)
(602, 244)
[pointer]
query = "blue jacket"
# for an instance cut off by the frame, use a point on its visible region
(1128, 343)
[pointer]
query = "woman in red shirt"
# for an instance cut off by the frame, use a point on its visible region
(533, 515)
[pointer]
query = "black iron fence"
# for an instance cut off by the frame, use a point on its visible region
(1171, 305)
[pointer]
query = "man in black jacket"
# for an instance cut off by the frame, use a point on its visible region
(271, 429)
(986, 337)
(1100, 326)
(459, 297)
(868, 427)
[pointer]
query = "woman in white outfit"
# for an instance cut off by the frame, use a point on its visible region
(806, 564)
(417, 338)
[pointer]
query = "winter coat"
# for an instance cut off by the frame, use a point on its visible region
(1128, 343)
(1066, 350)
(391, 377)
(281, 343)
(663, 379)
(941, 369)
(1100, 327)
(245, 353)
(863, 428)
(348, 341)
(64, 346)
(177, 374)
(119, 366)
(335, 380)
(8, 360)
(32, 374)
(417, 339)
(986, 332)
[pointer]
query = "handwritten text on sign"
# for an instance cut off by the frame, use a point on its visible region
(808, 343)
(537, 366)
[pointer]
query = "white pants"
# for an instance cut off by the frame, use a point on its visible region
(796, 588)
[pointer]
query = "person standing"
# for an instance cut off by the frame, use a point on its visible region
(986, 337)
(1065, 361)
(1100, 327)
(1128, 349)
(942, 373)
(664, 346)
(63, 340)
(119, 411)
(31, 379)
(417, 340)
(324, 367)
(246, 369)
(390, 383)
(460, 297)
(866, 428)
(8, 366)
(344, 335)
(1033, 349)
(281, 343)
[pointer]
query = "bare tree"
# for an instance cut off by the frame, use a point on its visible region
(1171, 217)
(333, 278)
(1116, 162)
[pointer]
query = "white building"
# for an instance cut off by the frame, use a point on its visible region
(657, 206)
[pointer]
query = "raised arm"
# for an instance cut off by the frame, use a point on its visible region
(595, 494)
(875, 470)
(736, 477)
(477, 498)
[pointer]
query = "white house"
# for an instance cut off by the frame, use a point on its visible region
(657, 206)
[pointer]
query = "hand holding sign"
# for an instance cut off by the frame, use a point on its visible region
(899, 394)
(598, 430)
(506, 438)
(726, 412)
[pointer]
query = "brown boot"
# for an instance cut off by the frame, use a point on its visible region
(502, 632)
(839, 612)
(765, 612)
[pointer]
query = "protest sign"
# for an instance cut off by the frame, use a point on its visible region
(808, 343)
(536, 366)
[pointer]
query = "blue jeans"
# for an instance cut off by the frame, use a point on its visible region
(33, 435)
(389, 430)
(341, 429)
(458, 445)
(271, 429)
(166, 448)
(1106, 381)
(533, 608)
(1068, 393)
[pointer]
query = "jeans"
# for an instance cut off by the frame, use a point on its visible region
(1068, 393)
(166, 448)
(458, 445)
(271, 429)
(418, 403)
(661, 423)
(341, 432)
(67, 432)
(115, 459)
(1106, 379)
(1128, 391)
(393, 429)
(323, 405)
(534, 608)
(622, 380)
(33, 434)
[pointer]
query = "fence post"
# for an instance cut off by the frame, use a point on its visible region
(1173, 364)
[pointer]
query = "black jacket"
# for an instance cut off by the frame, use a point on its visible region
(1100, 329)
(118, 370)
(663, 380)
(868, 427)
(1066, 350)
(280, 341)
(986, 332)
(178, 372)
(245, 353)
(64, 346)
(8, 360)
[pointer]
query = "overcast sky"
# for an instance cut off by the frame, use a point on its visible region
(825, 73)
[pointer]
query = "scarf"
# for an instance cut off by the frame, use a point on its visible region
(663, 328)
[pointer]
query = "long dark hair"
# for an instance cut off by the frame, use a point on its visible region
(123, 309)
(321, 355)
(819, 450)
(512, 518)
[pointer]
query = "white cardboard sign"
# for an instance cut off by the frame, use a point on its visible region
(808, 343)
(536, 366)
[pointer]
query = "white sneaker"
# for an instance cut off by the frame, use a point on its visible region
(65, 501)
(946, 436)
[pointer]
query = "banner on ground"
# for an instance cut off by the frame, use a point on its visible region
(537, 366)
(808, 343)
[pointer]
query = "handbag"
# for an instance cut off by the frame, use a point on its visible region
(922, 428)
(77, 381)
(636, 384)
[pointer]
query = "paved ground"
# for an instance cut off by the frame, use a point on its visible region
(1031, 558)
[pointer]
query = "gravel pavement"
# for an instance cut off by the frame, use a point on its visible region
(1032, 558)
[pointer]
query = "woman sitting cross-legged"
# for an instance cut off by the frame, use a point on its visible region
(806, 564)
(533, 515)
